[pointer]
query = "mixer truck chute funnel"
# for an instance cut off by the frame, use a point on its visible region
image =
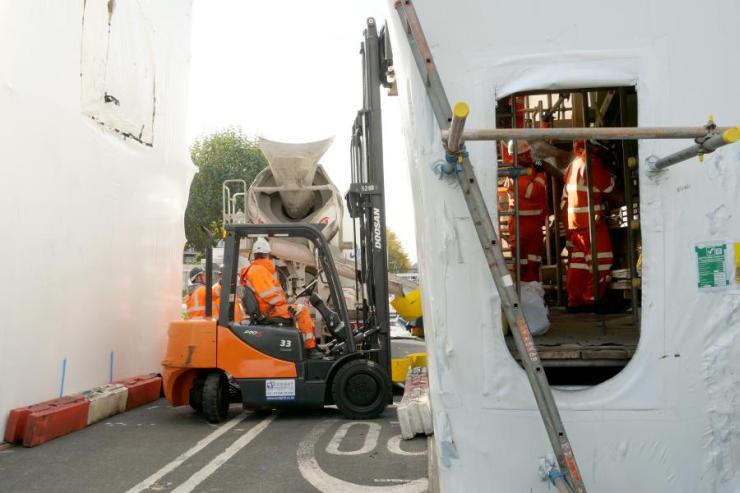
(295, 187)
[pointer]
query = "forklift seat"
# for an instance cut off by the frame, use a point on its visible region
(251, 308)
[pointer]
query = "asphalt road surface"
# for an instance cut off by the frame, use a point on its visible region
(158, 448)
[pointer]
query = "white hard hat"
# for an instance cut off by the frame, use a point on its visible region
(261, 245)
(521, 148)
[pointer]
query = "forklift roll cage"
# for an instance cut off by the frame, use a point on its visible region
(310, 232)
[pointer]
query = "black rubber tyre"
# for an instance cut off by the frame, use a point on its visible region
(216, 397)
(360, 389)
(196, 394)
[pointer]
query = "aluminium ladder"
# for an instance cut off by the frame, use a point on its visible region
(492, 250)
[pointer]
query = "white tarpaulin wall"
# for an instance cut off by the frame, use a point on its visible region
(95, 175)
(670, 421)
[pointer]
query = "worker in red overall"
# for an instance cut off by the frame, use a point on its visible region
(574, 206)
(533, 211)
(262, 278)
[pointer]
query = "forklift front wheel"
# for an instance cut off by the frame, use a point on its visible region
(360, 389)
(215, 397)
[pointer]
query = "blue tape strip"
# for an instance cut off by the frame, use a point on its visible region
(555, 474)
(64, 375)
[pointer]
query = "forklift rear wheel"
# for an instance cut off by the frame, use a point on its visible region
(360, 389)
(215, 397)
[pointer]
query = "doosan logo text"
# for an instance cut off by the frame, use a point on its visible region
(376, 228)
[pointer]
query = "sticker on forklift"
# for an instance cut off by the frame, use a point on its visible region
(711, 262)
(280, 390)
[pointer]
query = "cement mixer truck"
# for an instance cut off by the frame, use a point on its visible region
(294, 188)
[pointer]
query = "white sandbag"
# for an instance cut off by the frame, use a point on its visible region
(534, 307)
(415, 410)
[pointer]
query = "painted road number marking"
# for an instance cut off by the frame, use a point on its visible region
(371, 438)
(323, 481)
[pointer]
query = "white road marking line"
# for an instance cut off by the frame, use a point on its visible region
(394, 446)
(200, 476)
(371, 439)
(148, 482)
(326, 483)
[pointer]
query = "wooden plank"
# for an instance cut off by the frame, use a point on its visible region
(617, 354)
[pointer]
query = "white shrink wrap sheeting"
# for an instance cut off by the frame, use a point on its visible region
(670, 421)
(95, 172)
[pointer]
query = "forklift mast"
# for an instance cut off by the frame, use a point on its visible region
(366, 196)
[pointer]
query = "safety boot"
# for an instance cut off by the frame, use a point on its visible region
(314, 353)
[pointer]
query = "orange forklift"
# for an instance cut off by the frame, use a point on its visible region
(261, 361)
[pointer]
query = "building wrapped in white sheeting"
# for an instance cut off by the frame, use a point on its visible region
(670, 420)
(95, 174)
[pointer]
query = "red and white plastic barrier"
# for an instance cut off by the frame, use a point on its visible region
(39, 423)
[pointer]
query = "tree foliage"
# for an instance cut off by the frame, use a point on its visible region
(398, 259)
(221, 156)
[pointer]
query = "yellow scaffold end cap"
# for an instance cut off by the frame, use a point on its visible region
(461, 110)
(731, 135)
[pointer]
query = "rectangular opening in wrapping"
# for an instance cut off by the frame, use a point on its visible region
(575, 205)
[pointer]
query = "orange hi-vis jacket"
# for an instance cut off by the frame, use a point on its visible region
(196, 302)
(262, 278)
(575, 190)
(238, 311)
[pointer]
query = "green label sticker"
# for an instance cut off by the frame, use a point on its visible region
(712, 264)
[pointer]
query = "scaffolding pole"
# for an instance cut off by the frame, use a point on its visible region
(599, 133)
(629, 199)
(558, 246)
(591, 209)
(517, 236)
(709, 143)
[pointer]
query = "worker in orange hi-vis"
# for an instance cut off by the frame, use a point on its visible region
(196, 298)
(574, 206)
(532, 198)
(262, 278)
(238, 311)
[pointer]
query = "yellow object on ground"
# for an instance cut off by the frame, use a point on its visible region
(409, 306)
(400, 366)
